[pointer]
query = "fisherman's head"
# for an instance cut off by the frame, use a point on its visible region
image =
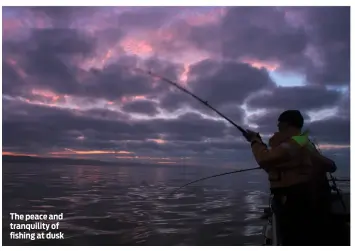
(290, 120)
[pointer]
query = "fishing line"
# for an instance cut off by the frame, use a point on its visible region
(154, 75)
(213, 176)
(243, 131)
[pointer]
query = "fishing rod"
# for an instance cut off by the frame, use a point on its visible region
(243, 131)
(213, 176)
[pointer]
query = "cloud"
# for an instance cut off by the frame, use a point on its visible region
(12, 79)
(75, 79)
(63, 16)
(278, 40)
(334, 130)
(54, 52)
(301, 98)
(312, 41)
(62, 41)
(225, 85)
(149, 18)
(45, 129)
(330, 34)
(41, 60)
(255, 32)
(141, 106)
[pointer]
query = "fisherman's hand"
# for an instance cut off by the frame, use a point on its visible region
(251, 135)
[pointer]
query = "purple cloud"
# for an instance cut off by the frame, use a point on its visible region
(70, 78)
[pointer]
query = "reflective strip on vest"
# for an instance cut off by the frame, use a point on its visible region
(303, 140)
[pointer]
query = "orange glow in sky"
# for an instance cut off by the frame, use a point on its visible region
(141, 97)
(158, 141)
(19, 154)
(270, 66)
(331, 146)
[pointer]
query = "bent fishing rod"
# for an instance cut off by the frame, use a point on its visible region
(243, 131)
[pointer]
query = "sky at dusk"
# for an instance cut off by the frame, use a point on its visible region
(71, 87)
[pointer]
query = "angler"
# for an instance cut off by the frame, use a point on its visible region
(296, 171)
(297, 175)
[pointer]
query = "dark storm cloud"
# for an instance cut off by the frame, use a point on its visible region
(334, 130)
(266, 122)
(149, 17)
(255, 32)
(11, 79)
(141, 106)
(40, 127)
(301, 98)
(48, 60)
(163, 68)
(125, 17)
(344, 105)
(52, 41)
(266, 33)
(43, 57)
(222, 84)
(260, 32)
(101, 113)
(64, 16)
(46, 57)
(81, 18)
(227, 82)
(330, 34)
(62, 41)
(190, 126)
(114, 82)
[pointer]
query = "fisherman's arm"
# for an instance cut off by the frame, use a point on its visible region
(264, 156)
(328, 164)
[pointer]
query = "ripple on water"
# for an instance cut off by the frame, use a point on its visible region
(124, 208)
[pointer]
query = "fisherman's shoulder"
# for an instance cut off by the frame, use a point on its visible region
(284, 141)
(279, 138)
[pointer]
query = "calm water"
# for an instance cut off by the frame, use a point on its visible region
(131, 206)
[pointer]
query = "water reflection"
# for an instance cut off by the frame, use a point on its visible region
(129, 205)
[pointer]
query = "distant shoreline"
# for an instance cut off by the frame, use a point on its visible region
(6, 158)
(64, 161)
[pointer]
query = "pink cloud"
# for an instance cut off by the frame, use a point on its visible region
(136, 46)
(88, 152)
(256, 63)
